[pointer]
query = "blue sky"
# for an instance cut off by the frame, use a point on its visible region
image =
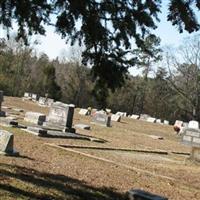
(54, 46)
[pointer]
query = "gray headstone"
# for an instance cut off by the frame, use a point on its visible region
(42, 101)
(191, 137)
(35, 118)
(60, 115)
(143, 195)
(6, 142)
(101, 119)
(49, 102)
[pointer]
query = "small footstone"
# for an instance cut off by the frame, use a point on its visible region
(82, 126)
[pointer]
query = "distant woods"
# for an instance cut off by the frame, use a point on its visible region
(170, 91)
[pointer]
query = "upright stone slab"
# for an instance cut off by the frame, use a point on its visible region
(166, 122)
(61, 116)
(6, 143)
(83, 111)
(191, 137)
(135, 116)
(2, 113)
(122, 114)
(101, 119)
(49, 102)
(144, 117)
(115, 118)
(143, 195)
(35, 118)
(158, 121)
(34, 97)
(151, 119)
(193, 124)
(42, 101)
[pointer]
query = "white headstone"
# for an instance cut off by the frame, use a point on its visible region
(151, 119)
(115, 118)
(166, 122)
(158, 121)
(83, 111)
(193, 124)
(135, 116)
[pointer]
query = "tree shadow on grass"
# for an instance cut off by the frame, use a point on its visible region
(31, 184)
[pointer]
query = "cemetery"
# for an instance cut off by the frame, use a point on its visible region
(62, 151)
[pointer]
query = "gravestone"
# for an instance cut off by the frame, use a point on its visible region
(166, 122)
(144, 117)
(49, 102)
(151, 119)
(191, 137)
(6, 143)
(83, 111)
(193, 124)
(101, 119)
(158, 121)
(115, 118)
(35, 118)
(2, 113)
(42, 101)
(122, 114)
(61, 117)
(82, 126)
(135, 116)
(108, 111)
(34, 97)
(143, 195)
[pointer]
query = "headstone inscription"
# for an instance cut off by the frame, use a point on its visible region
(61, 117)
(6, 143)
(191, 137)
(101, 119)
(35, 118)
(143, 195)
(2, 113)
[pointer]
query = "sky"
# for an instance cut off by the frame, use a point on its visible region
(54, 46)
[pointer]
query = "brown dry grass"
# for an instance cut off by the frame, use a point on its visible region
(43, 172)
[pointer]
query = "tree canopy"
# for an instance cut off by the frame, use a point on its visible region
(107, 28)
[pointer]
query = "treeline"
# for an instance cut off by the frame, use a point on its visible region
(171, 92)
